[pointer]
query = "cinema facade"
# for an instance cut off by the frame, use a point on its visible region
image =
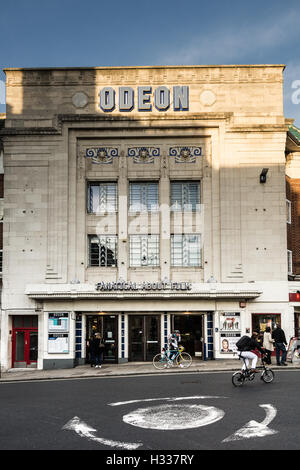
(139, 200)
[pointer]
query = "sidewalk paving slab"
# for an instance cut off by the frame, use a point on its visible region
(128, 369)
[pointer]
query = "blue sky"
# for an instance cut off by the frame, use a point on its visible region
(36, 33)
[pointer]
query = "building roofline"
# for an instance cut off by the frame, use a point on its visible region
(9, 69)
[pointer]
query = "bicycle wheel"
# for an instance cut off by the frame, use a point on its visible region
(184, 360)
(238, 379)
(160, 361)
(267, 376)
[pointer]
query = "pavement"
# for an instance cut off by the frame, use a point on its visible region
(127, 369)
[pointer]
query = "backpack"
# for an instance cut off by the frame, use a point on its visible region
(243, 342)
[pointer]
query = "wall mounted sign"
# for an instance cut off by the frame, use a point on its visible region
(58, 343)
(58, 322)
(144, 98)
(144, 286)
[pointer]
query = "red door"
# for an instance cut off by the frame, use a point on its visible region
(25, 343)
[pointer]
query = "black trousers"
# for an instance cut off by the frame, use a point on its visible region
(268, 356)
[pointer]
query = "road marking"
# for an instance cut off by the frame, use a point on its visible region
(254, 429)
(174, 417)
(84, 430)
(196, 397)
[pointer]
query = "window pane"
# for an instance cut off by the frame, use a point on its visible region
(102, 197)
(185, 195)
(103, 251)
(143, 197)
(144, 250)
(185, 250)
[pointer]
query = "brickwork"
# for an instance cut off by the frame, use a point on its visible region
(293, 229)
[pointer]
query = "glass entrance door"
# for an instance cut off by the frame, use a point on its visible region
(191, 328)
(144, 337)
(107, 326)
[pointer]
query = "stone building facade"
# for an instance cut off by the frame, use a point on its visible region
(139, 200)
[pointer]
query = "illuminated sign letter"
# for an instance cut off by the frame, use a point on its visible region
(181, 98)
(126, 98)
(107, 99)
(144, 100)
(162, 98)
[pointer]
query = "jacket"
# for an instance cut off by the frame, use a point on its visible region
(252, 345)
(279, 336)
(268, 341)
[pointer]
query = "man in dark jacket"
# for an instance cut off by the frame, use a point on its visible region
(247, 353)
(280, 345)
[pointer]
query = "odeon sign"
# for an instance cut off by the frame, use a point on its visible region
(144, 98)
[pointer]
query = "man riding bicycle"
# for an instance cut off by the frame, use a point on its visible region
(246, 351)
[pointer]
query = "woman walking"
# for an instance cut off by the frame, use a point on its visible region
(268, 344)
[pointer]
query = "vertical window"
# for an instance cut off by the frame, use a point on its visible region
(102, 197)
(185, 195)
(103, 250)
(143, 197)
(144, 250)
(185, 250)
(288, 212)
(290, 261)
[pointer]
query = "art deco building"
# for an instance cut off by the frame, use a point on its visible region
(139, 200)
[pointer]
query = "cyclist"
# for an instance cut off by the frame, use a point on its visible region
(247, 352)
(173, 345)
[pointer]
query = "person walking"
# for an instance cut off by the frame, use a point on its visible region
(268, 344)
(280, 345)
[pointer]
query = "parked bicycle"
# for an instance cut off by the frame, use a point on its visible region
(267, 374)
(172, 358)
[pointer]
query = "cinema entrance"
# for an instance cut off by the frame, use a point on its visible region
(191, 329)
(144, 337)
(107, 326)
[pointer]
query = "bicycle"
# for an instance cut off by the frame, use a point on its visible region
(179, 359)
(240, 377)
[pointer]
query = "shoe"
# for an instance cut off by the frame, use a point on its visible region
(284, 364)
(254, 371)
(278, 364)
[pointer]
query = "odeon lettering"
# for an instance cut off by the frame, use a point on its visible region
(132, 286)
(144, 98)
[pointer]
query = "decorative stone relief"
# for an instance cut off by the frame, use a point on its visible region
(102, 155)
(143, 154)
(80, 100)
(185, 154)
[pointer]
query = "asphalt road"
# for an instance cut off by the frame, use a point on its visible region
(182, 412)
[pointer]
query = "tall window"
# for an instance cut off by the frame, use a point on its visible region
(144, 250)
(186, 250)
(143, 197)
(185, 195)
(103, 250)
(102, 197)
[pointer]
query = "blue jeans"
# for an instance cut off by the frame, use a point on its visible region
(97, 359)
(280, 347)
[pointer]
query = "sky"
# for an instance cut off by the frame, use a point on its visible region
(64, 33)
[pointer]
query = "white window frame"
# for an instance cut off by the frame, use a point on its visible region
(185, 192)
(109, 207)
(143, 205)
(288, 211)
(290, 261)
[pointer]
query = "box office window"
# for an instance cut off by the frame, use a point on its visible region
(102, 197)
(185, 196)
(143, 197)
(186, 250)
(144, 250)
(103, 251)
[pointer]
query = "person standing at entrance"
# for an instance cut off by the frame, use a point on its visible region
(96, 350)
(280, 345)
(268, 344)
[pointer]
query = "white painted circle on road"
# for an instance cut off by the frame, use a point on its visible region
(174, 417)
